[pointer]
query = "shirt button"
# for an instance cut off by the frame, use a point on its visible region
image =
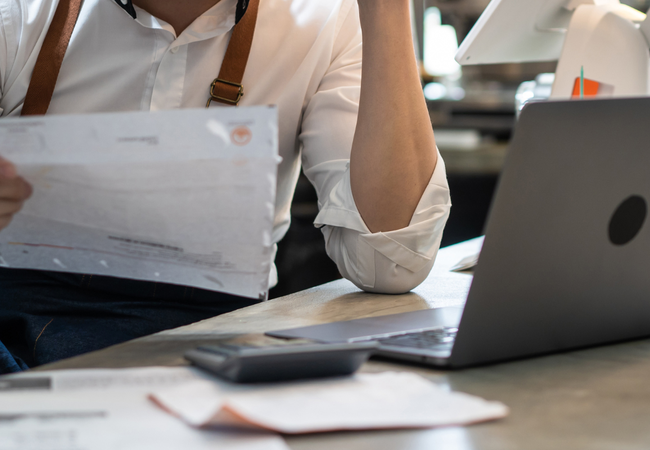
(174, 49)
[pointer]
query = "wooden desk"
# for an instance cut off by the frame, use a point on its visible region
(591, 399)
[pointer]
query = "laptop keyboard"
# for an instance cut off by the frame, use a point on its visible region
(442, 337)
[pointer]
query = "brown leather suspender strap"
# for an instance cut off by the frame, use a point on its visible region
(48, 63)
(226, 88)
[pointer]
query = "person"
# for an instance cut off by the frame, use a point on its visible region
(352, 114)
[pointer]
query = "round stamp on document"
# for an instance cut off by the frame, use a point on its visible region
(241, 135)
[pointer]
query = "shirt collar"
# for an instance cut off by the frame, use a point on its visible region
(127, 6)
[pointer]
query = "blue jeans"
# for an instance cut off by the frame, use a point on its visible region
(47, 316)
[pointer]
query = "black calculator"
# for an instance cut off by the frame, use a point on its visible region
(246, 364)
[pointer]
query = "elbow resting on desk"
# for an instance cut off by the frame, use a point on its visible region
(391, 262)
(361, 258)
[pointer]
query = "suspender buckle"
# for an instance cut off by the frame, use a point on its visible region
(222, 99)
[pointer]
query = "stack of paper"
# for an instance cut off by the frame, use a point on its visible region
(366, 401)
(106, 410)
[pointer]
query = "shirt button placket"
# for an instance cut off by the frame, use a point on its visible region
(170, 79)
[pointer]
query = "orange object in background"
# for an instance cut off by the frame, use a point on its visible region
(591, 88)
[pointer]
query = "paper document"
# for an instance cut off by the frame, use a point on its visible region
(184, 197)
(365, 401)
(106, 410)
(469, 262)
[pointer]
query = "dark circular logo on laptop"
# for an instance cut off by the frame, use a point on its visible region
(627, 220)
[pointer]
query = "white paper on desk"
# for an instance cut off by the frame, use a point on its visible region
(108, 409)
(469, 262)
(362, 402)
(183, 197)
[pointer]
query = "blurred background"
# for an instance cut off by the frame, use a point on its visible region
(473, 111)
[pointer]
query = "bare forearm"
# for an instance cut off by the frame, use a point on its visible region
(393, 153)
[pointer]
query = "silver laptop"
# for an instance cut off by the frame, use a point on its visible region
(566, 258)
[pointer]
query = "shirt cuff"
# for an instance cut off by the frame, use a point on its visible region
(412, 248)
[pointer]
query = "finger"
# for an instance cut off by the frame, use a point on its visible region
(9, 208)
(29, 190)
(4, 221)
(7, 169)
(17, 189)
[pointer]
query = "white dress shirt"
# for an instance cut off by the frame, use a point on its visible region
(305, 58)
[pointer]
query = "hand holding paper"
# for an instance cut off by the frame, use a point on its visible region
(167, 196)
(14, 190)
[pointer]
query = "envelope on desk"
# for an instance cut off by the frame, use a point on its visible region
(362, 402)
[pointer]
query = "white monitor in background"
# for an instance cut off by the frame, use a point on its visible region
(513, 31)
(600, 45)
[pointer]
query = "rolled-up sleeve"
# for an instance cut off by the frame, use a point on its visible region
(385, 262)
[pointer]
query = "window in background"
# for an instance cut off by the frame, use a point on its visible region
(440, 46)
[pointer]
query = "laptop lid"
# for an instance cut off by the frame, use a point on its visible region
(565, 260)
